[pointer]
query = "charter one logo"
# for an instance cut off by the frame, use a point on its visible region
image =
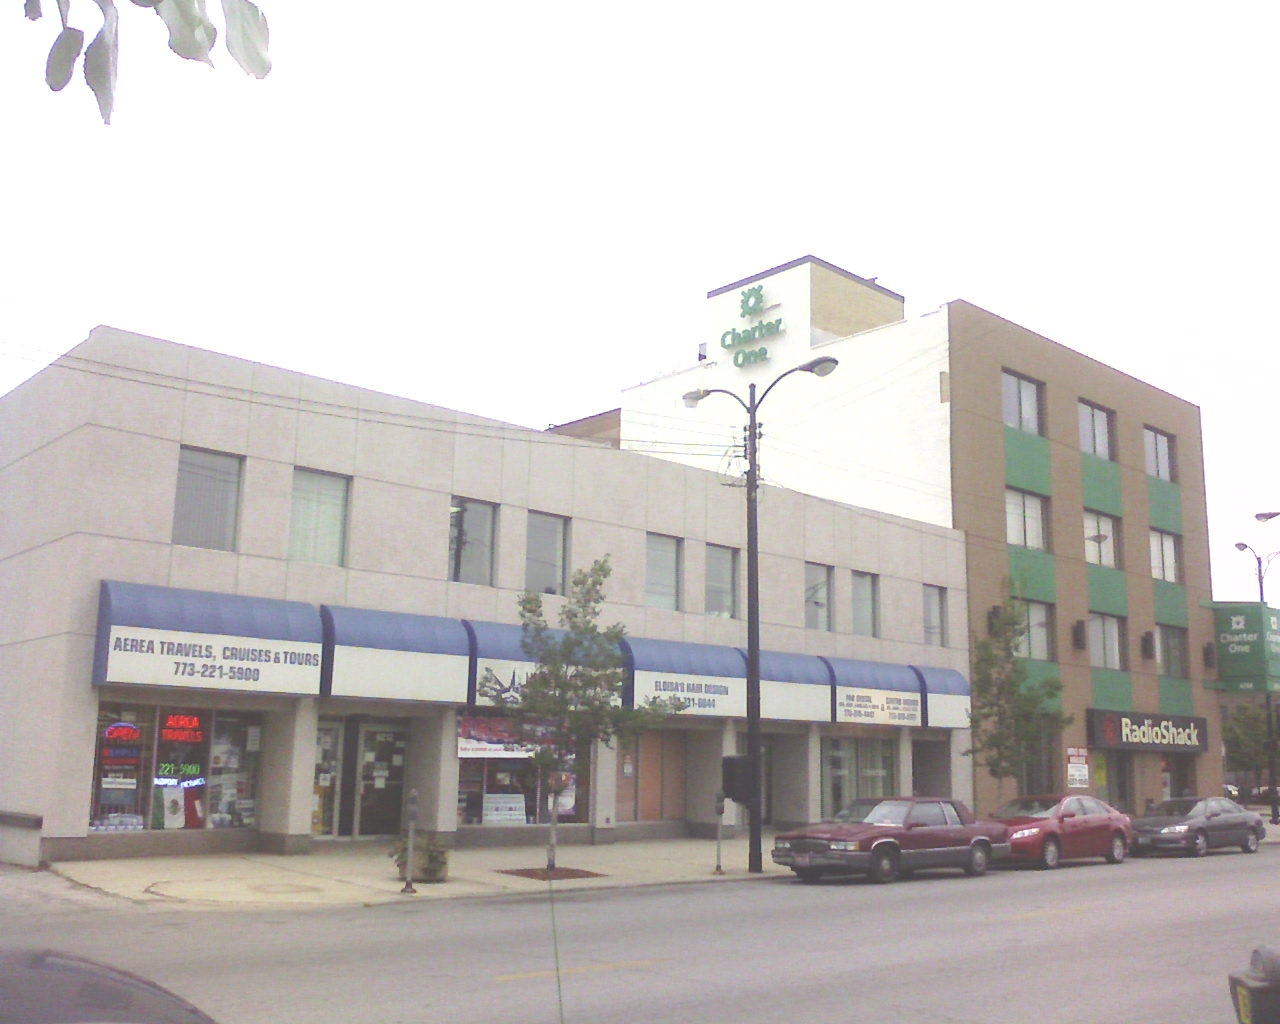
(751, 304)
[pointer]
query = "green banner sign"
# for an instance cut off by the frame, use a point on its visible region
(1248, 642)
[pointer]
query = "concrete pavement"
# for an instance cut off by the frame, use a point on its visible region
(360, 873)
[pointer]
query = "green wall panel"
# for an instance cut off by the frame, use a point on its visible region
(1176, 697)
(1101, 481)
(1107, 590)
(1171, 604)
(1032, 575)
(1026, 461)
(1042, 671)
(1165, 502)
(1112, 690)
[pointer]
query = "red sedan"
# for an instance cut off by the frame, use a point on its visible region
(1045, 830)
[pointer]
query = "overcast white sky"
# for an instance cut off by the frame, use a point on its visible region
(517, 209)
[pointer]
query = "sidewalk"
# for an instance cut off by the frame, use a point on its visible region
(361, 873)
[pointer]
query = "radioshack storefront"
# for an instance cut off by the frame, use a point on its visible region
(1123, 744)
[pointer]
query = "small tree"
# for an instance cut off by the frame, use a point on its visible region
(573, 696)
(1009, 717)
(1244, 735)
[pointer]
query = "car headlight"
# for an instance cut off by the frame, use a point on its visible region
(782, 844)
(1174, 828)
(842, 845)
(1026, 833)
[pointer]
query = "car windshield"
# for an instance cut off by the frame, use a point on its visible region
(876, 812)
(1183, 808)
(1028, 807)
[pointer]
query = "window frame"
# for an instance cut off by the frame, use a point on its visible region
(459, 570)
(936, 608)
(1160, 454)
(817, 583)
(1037, 620)
(1104, 553)
(199, 491)
(1166, 555)
(1020, 396)
(718, 592)
(1106, 641)
(1172, 639)
(865, 605)
(663, 593)
(557, 560)
(309, 529)
(1018, 515)
(1097, 424)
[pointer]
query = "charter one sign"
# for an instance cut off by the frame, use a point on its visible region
(1248, 646)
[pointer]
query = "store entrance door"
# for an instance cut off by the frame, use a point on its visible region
(328, 779)
(380, 779)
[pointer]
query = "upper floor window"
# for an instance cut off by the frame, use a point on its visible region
(1101, 539)
(817, 596)
(1036, 640)
(935, 615)
(546, 540)
(1106, 641)
(1171, 652)
(1159, 454)
(662, 571)
(471, 541)
(866, 603)
(1095, 430)
(1025, 519)
(721, 581)
(1021, 400)
(318, 527)
(207, 504)
(1164, 556)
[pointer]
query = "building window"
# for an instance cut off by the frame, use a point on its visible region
(318, 531)
(544, 554)
(721, 582)
(817, 596)
(1101, 539)
(866, 603)
(662, 572)
(935, 616)
(471, 538)
(1164, 556)
(1095, 430)
(1036, 641)
(1025, 520)
(1021, 401)
(208, 499)
(1106, 641)
(1171, 652)
(1159, 454)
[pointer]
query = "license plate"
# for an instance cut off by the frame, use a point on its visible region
(1142, 840)
(802, 860)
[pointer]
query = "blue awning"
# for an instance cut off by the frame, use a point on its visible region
(686, 658)
(794, 668)
(198, 611)
(873, 675)
(944, 681)
(498, 640)
(395, 631)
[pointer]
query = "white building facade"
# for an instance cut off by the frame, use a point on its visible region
(247, 609)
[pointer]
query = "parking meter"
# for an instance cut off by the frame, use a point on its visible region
(1255, 993)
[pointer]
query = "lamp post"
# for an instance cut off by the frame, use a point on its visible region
(821, 367)
(1262, 565)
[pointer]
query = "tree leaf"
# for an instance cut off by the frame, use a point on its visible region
(62, 58)
(247, 36)
(101, 59)
(32, 9)
(191, 33)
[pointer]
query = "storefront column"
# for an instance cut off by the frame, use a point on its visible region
(962, 767)
(906, 769)
(288, 777)
(702, 777)
(432, 770)
(604, 792)
(795, 784)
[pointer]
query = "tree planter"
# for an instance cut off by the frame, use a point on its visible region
(430, 859)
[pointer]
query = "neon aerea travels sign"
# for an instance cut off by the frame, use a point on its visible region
(740, 341)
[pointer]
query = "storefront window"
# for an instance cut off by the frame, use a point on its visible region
(498, 783)
(170, 768)
(853, 768)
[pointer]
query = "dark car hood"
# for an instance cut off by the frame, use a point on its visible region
(1163, 820)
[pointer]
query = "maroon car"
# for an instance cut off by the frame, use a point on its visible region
(883, 837)
(1045, 830)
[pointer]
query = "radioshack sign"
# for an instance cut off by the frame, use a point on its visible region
(1136, 730)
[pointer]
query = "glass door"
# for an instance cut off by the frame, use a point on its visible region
(380, 779)
(328, 779)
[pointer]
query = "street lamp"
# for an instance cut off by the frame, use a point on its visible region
(1262, 565)
(820, 367)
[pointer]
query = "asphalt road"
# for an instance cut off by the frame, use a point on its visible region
(1148, 940)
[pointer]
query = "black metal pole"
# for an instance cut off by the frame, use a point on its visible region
(1266, 696)
(755, 857)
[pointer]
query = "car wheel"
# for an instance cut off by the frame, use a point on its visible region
(979, 858)
(1250, 844)
(884, 863)
(1050, 854)
(1199, 845)
(808, 875)
(1118, 849)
